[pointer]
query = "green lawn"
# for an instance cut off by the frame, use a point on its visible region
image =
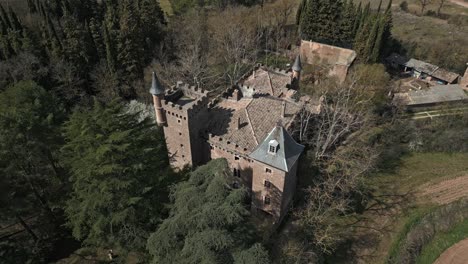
(413, 171)
(420, 168)
(441, 242)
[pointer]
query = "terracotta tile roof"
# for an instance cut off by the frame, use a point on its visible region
(268, 82)
(256, 117)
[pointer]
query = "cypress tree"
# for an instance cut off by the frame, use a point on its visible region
(360, 42)
(379, 7)
(31, 6)
(77, 48)
(310, 20)
(14, 21)
(130, 52)
(300, 11)
(357, 19)
(97, 37)
(371, 41)
(7, 50)
(377, 49)
(55, 45)
(111, 57)
(387, 27)
(347, 22)
(4, 16)
(365, 14)
(152, 20)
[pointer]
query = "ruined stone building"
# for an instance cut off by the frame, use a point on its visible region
(249, 125)
(337, 59)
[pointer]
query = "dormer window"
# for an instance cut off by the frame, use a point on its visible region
(273, 147)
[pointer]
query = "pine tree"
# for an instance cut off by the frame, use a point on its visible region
(207, 223)
(118, 164)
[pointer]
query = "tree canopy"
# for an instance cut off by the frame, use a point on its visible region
(118, 168)
(342, 24)
(207, 223)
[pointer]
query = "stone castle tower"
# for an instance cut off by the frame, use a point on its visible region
(177, 110)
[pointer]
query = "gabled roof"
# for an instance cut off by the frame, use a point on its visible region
(297, 66)
(287, 154)
(433, 95)
(156, 87)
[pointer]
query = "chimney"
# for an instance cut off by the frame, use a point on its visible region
(283, 109)
(236, 95)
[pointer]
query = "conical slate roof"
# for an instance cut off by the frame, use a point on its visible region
(287, 154)
(297, 66)
(156, 87)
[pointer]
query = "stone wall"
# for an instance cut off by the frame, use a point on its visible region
(339, 58)
(464, 80)
(253, 175)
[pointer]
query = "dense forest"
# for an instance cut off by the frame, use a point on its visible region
(84, 169)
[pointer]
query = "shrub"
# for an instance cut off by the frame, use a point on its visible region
(404, 6)
(422, 231)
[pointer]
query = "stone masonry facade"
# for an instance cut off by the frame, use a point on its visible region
(249, 125)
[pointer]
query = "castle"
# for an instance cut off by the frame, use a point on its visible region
(249, 125)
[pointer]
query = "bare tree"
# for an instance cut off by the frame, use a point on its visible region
(344, 110)
(441, 4)
(193, 46)
(423, 4)
(275, 17)
(237, 41)
(331, 198)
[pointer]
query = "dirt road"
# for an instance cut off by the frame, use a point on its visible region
(456, 254)
(446, 191)
(460, 3)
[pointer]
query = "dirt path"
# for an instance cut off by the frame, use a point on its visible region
(457, 254)
(460, 3)
(446, 191)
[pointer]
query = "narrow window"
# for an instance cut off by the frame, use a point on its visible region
(267, 183)
(267, 170)
(266, 199)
